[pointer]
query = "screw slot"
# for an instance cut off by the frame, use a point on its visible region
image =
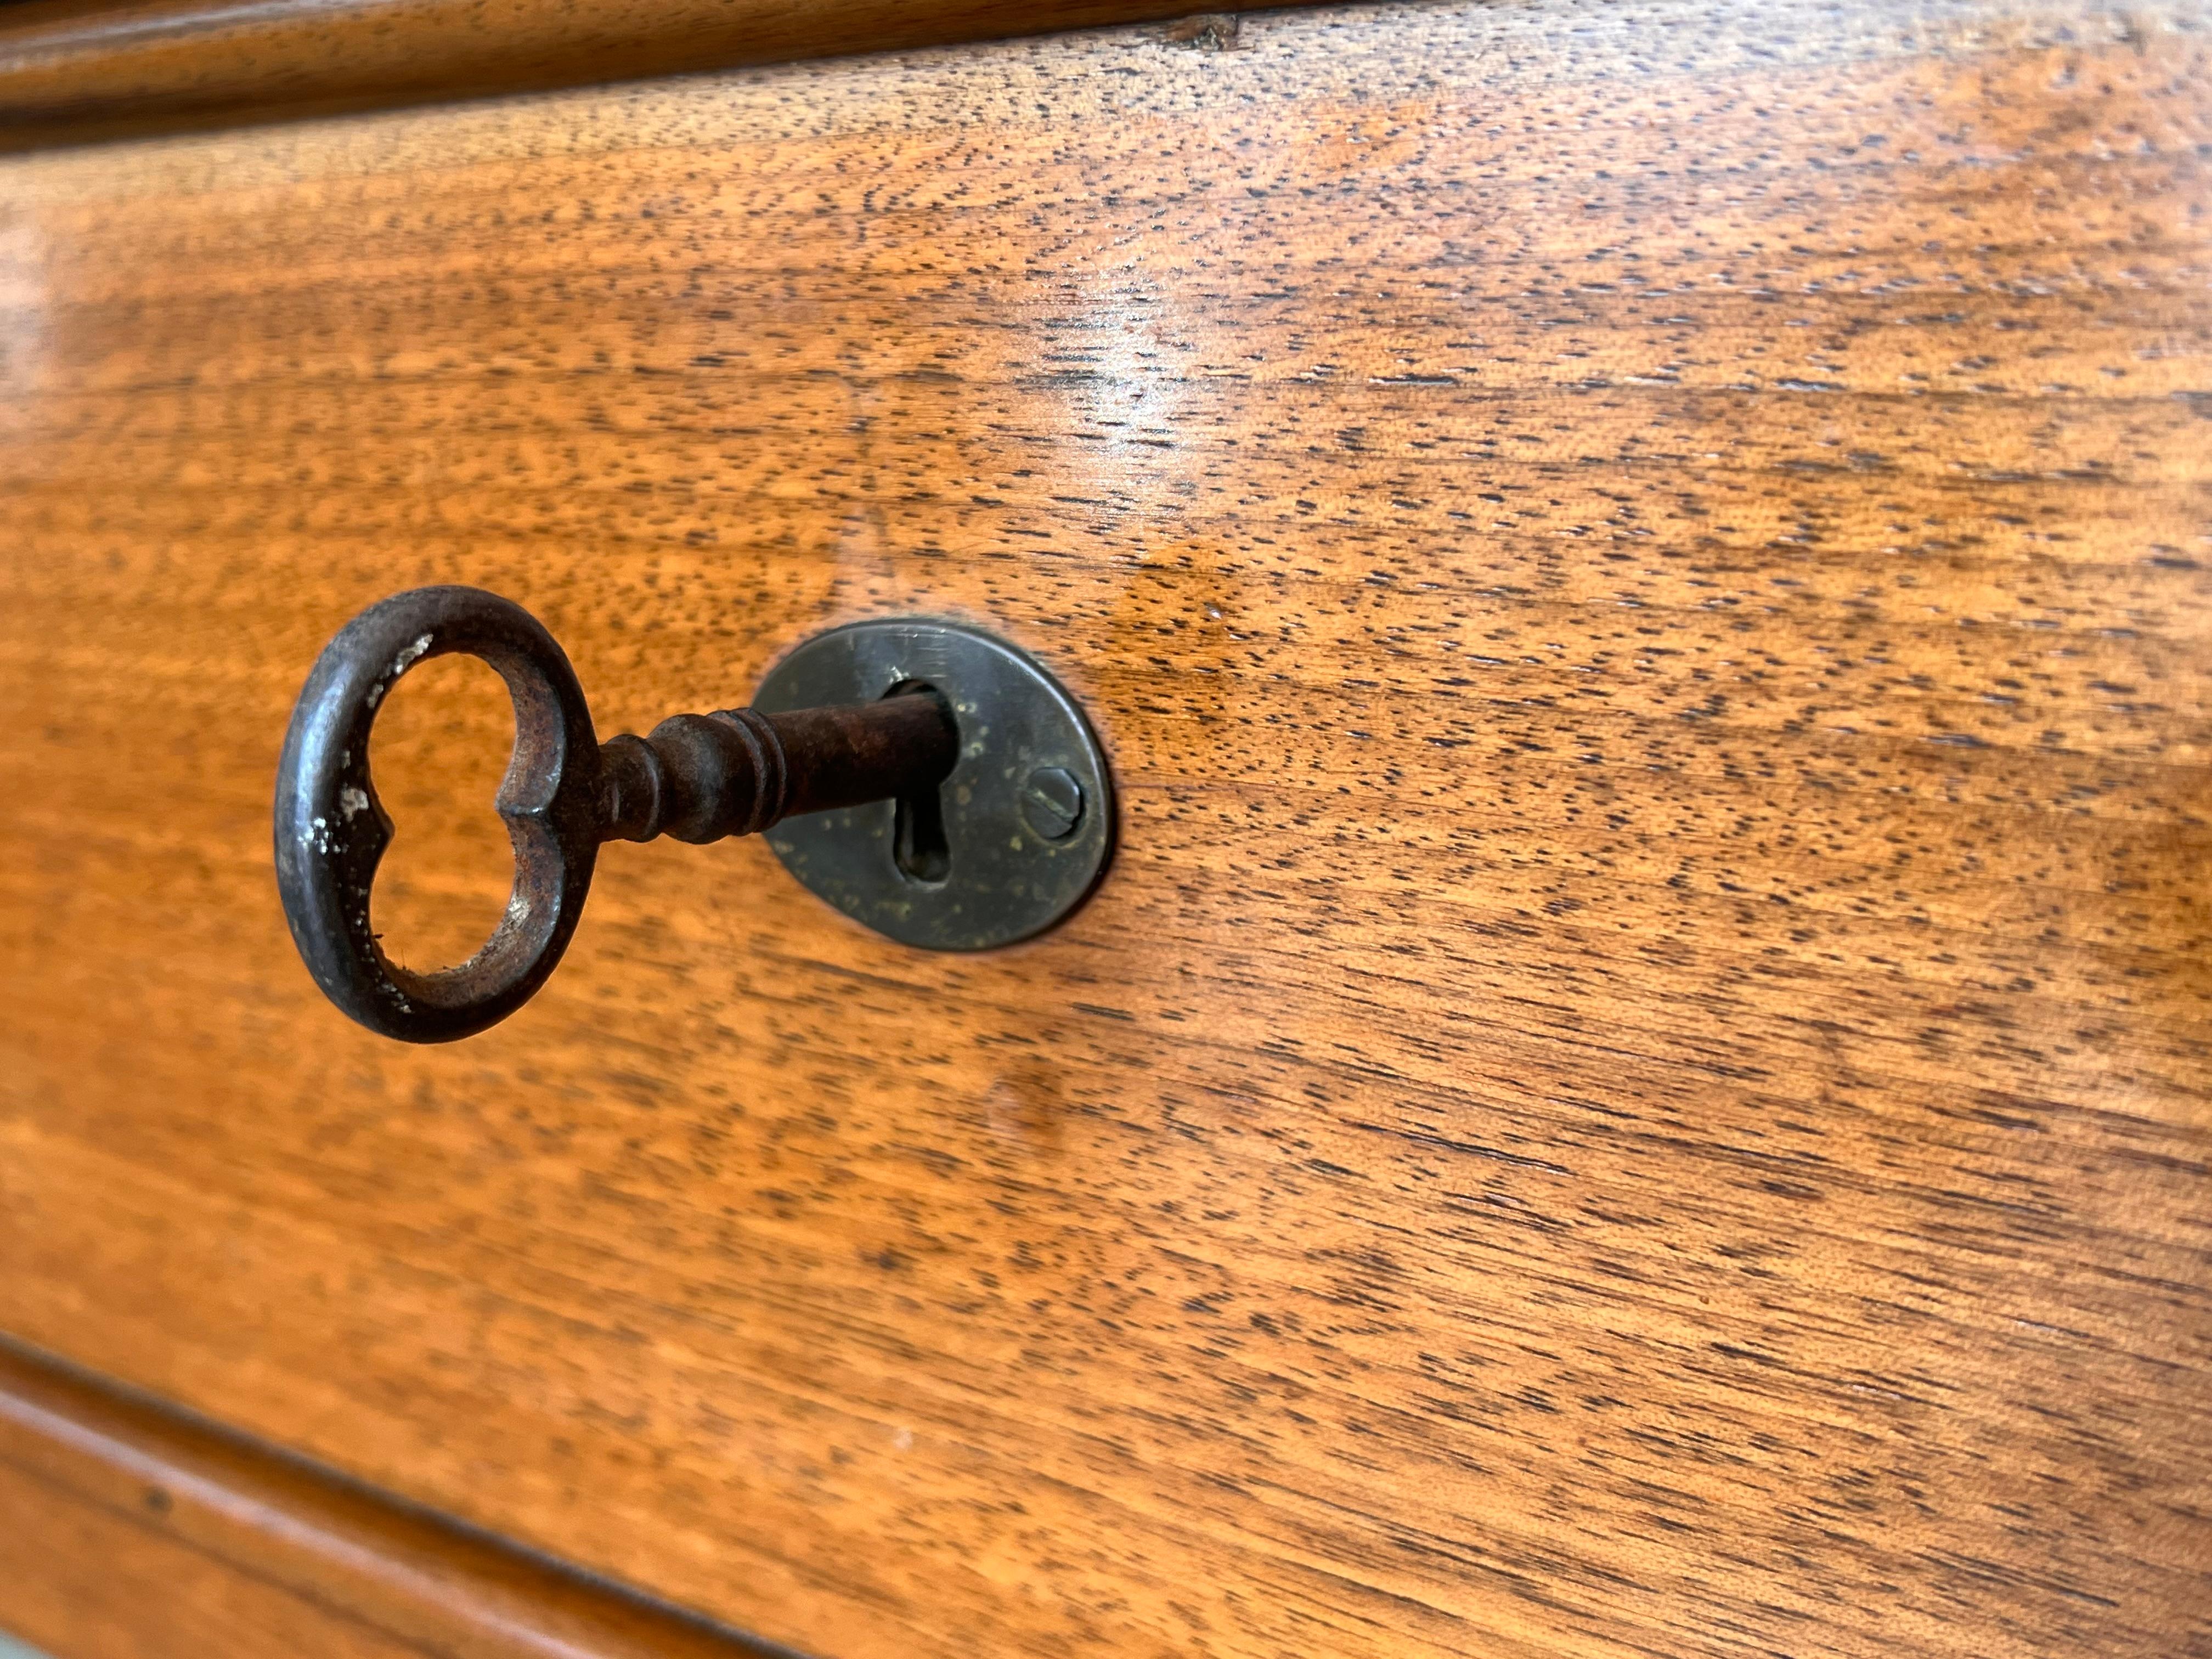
(1052, 803)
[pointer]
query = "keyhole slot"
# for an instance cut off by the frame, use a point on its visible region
(919, 846)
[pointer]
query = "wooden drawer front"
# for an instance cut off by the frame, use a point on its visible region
(1638, 1085)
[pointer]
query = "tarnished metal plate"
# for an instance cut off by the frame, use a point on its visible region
(1024, 825)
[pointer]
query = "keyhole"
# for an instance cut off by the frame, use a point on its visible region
(917, 844)
(440, 747)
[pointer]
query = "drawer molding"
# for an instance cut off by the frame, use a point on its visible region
(191, 1517)
(71, 72)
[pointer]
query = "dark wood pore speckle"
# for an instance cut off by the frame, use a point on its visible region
(1637, 1085)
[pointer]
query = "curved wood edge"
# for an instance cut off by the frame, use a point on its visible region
(70, 71)
(346, 1556)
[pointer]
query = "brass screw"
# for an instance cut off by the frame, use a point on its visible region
(1052, 803)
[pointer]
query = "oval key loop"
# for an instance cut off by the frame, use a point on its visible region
(332, 829)
(697, 777)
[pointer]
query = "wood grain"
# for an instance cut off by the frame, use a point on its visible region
(73, 71)
(132, 1529)
(1637, 1086)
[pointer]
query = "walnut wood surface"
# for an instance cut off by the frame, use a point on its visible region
(1637, 1086)
(77, 69)
(109, 1503)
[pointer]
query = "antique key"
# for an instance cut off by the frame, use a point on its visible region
(946, 793)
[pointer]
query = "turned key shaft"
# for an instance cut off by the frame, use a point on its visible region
(738, 772)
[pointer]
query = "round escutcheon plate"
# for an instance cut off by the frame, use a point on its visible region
(1011, 842)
